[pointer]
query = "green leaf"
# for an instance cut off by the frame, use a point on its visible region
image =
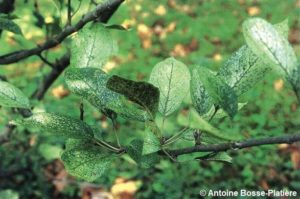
(221, 93)
(135, 151)
(92, 47)
(57, 4)
(57, 125)
(283, 28)
(75, 143)
(194, 121)
(9, 194)
(244, 68)
(151, 142)
(220, 156)
(173, 80)
(200, 97)
(9, 25)
(50, 152)
(10, 96)
(142, 93)
(90, 83)
(87, 163)
(270, 45)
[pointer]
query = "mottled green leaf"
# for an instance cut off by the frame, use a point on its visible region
(221, 93)
(87, 163)
(173, 80)
(142, 93)
(10, 96)
(9, 25)
(244, 68)
(200, 97)
(9, 194)
(58, 125)
(90, 83)
(194, 121)
(75, 143)
(92, 46)
(270, 45)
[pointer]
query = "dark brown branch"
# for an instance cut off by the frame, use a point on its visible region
(288, 139)
(106, 9)
(57, 69)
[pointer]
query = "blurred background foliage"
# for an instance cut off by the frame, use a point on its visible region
(204, 32)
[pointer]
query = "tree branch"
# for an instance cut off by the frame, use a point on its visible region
(288, 139)
(106, 9)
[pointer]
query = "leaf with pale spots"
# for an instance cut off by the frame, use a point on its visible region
(220, 93)
(172, 77)
(87, 163)
(90, 83)
(270, 45)
(142, 93)
(57, 125)
(244, 68)
(92, 47)
(11, 96)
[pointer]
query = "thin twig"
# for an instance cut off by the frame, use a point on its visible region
(46, 61)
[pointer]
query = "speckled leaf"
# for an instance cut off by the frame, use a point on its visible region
(9, 25)
(142, 93)
(244, 68)
(92, 46)
(173, 80)
(269, 45)
(57, 125)
(75, 143)
(194, 121)
(11, 96)
(90, 83)
(220, 93)
(200, 97)
(87, 163)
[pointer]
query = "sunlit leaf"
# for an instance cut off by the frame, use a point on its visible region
(270, 45)
(87, 163)
(244, 68)
(92, 47)
(173, 80)
(50, 152)
(57, 125)
(220, 156)
(11, 96)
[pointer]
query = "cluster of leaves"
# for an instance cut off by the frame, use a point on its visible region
(213, 94)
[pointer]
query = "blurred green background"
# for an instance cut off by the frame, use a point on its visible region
(204, 32)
